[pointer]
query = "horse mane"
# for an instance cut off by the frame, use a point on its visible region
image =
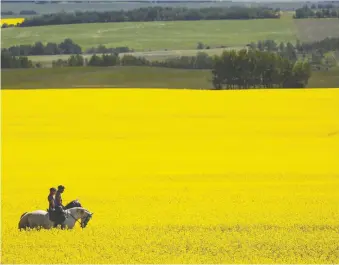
(72, 204)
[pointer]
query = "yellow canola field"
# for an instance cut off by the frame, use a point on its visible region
(11, 21)
(174, 176)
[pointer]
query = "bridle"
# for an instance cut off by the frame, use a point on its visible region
(83, 225)
(76, 220)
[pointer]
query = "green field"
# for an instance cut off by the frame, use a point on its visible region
(310, 30)
(328, 78)
(176, 35)
(145, 36)
(123, 77)
(130, 77)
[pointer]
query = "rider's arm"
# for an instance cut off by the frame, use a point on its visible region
(52, 203)
(58, 199)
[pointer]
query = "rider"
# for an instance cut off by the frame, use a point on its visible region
(51, 202)
(58, 205)
(51, 199)
(58, 199)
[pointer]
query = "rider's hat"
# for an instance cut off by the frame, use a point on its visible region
(60, 187)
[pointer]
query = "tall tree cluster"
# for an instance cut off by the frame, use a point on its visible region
(256, 69)
(9, 61)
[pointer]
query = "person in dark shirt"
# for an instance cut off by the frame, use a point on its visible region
(51, 200)
(59, 208)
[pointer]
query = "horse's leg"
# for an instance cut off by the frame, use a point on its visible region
(48, 224)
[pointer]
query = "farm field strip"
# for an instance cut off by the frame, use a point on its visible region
(174, 176)
(175, 35)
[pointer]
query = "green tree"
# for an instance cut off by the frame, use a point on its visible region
(76, 60)
(95, 60)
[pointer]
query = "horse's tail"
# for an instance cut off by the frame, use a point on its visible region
(23, 223)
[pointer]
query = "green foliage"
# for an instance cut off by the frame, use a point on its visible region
(200, 46)
(104, 49)
(59, 63)
(104, 60)
(306, 12)
(258, 69)
(130, 60)
(200, 61)
(7, 13)
(326, 45)
(9, 61)
(65, 47)
(151, 14)
(21, 13)
(232, 70)
(76, 60)
(313, 51)
(28, 12)
(95, 60)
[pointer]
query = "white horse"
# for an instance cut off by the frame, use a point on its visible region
(40, 219)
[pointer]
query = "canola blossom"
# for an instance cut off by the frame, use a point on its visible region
(11, 21)
(174, 176)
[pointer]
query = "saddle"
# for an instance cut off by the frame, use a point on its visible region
(58, 217)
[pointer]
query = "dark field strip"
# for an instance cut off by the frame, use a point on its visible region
(129, 77)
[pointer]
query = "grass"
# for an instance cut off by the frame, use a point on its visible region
(310, 30)
(174, 177)
(129, 77)
(141, 77)
(328, 78)
(176, 35)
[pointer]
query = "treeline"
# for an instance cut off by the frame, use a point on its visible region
(323, 6)
(200, 61)
(285, 50)
(104, 49)
(244, 69)
(151, 14)
(256, 69)
(313, 52)
(9, 61)
(307, 12)
(231, 70)
(325, 45)
(22, 12)
(65, 47)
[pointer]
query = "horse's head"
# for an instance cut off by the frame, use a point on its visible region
(85, 216)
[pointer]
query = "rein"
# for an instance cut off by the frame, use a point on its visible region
(84, 224)
(76, 220)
